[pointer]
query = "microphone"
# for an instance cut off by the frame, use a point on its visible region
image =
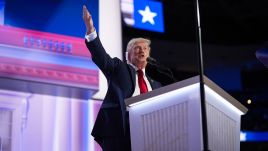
(151, 60)
(159, 72)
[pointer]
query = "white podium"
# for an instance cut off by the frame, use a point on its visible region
(169, 118)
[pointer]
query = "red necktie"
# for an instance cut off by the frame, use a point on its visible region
(142, 83)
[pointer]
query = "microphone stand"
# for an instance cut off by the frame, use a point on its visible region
(201, 77)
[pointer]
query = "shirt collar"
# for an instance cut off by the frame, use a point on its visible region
(136, 67)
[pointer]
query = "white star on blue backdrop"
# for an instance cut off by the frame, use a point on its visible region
(148, 15)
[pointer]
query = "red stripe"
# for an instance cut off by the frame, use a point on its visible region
(16, 36)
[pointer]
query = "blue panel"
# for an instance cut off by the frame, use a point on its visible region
(55, 16)
(148, 15)
(2, 10)
(254, 136)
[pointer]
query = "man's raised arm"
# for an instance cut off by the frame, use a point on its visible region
(88, 20)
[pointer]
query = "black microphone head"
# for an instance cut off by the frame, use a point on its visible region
(151, 60)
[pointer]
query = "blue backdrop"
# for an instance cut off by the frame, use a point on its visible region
(55, 16)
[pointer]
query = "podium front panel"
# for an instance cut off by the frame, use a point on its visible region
(167, 122)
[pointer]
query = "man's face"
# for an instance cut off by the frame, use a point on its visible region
(139, 53)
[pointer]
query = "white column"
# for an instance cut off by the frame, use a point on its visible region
(110, 33)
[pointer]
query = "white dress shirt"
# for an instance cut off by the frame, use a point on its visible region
(90, 37)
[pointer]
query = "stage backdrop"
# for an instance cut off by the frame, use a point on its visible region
(47, 77)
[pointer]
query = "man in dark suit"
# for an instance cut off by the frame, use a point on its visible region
(111, 129)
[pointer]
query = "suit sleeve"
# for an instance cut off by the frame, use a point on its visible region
(99, 56)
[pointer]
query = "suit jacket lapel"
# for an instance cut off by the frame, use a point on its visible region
(132, 73)
(151, 81)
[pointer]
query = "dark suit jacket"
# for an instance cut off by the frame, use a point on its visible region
(111, 119)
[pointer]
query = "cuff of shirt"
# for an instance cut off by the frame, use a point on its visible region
(90, 37)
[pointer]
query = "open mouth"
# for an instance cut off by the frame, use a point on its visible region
(141, 55)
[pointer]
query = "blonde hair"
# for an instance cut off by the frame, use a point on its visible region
(133, 41)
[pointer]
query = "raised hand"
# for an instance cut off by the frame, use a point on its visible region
(88, 20)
